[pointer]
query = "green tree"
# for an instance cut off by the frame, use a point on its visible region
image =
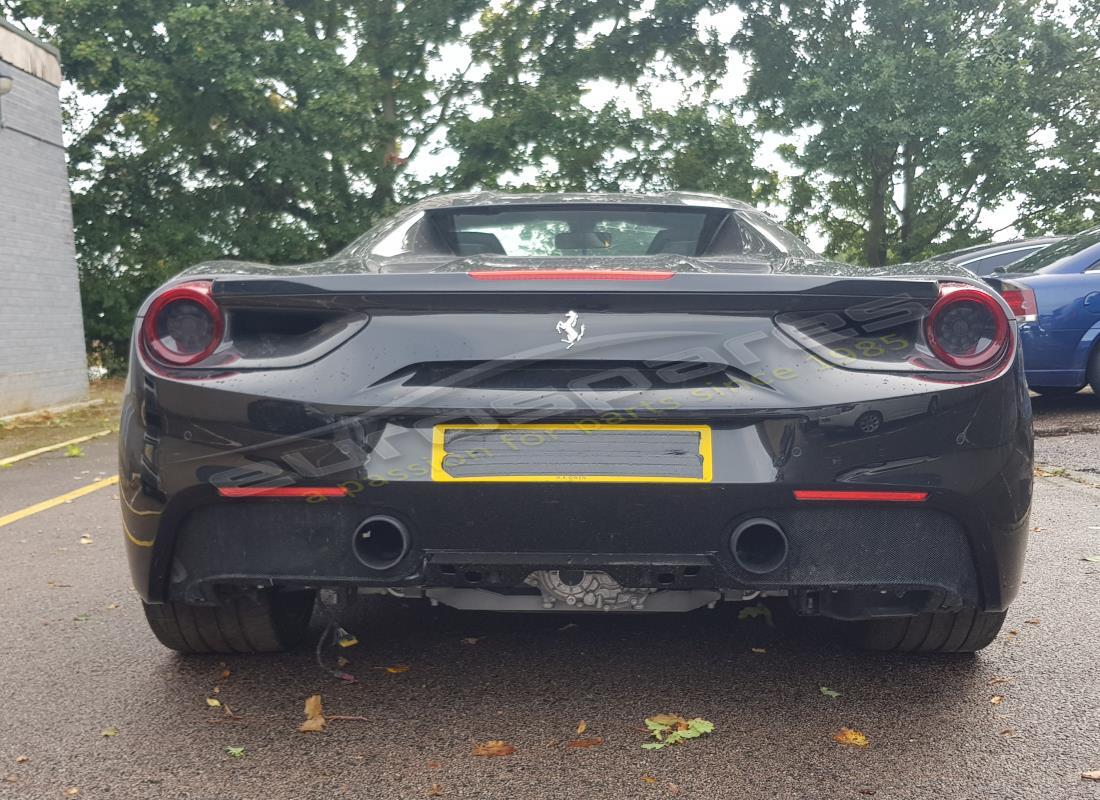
(269, 130)
(1062, 191)
(541, 58)
(916, 116)
(277, 130)
(696, 147)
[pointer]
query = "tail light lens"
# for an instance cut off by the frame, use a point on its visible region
(183, 325)
(1021, 299)
(967, 328)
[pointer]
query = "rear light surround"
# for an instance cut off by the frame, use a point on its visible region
(904, 334)
(161, 344)
(237, 335)
(960, 300)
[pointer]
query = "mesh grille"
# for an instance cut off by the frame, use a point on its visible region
(871, 546)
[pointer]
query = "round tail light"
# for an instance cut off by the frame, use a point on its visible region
(967, 328)
(183, 325)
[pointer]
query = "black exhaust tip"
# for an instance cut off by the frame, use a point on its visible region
(759, 545)
(380, 542)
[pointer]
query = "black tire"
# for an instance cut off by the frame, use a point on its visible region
(965, 631)
(266, 621)
(1094, 370)
(1055, 391)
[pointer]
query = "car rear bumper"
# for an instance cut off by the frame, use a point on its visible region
(961, 545)
(1070, 378)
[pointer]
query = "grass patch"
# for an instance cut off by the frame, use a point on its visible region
(45, 429)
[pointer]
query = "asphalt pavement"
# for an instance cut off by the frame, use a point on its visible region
(1021, 719)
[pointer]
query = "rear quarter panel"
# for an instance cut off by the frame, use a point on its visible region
(1067, 327)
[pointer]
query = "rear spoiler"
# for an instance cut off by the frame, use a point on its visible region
(656, 292)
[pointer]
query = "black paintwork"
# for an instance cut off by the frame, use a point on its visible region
(413, 341)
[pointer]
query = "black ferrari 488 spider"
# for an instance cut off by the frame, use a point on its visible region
(576, 402)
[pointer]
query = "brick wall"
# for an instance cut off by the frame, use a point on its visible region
(42, 359)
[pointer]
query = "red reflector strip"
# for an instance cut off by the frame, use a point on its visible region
(865, 497)
(282, 491)
(569, 275)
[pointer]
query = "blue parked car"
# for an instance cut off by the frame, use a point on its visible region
(985, 259)
(1056, 296)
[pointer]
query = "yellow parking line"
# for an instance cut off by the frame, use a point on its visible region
(56, 501)
(31, 453)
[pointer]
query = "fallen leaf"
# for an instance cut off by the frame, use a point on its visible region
(759, 650)
(315, 719)
(397, 669)
(1094, 559)
(21, 759)
(112, 606)
(996, 679)
(664, 719)
(72, 451)
(216, 690)
(493, 748)
(582, 726)
(82, 617)
(72, 791)
(435, 790)
(434, 765)
(10, 778)
(109, 732)
(313, 706)
(225, 674)
(850, 737)
(1008, 732)
(235, 752)
(594, 741)
(832, 695)
(668, 729)
(213, 702)
(472, 639)
(673, 788)
(85, 539)
(1031, 622)
(648, 779)
(761, 611)
(997, 699)
(1091, 776)
(342, 662)
(348, 641)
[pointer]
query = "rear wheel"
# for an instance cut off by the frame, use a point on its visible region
(869, 422)
(265, 621)
(964, 631)
(1094, 371)
(1054, 391)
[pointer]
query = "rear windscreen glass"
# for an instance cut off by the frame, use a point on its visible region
(587, 231)
(1053, 254)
